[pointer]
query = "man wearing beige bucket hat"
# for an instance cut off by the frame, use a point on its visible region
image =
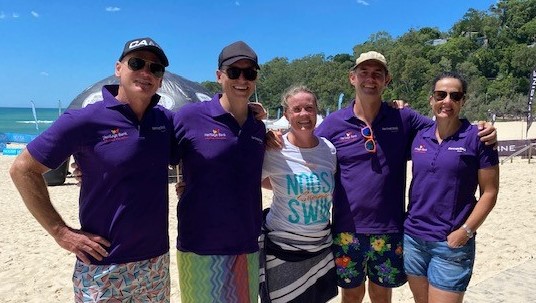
(372, 141)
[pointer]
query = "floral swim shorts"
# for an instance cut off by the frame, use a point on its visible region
(376, 256)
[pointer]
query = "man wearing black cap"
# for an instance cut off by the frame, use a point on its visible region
(123, 144)
(219, 212)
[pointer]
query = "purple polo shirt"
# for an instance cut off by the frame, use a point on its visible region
(220, 210)
(445, 178)
(124, 193)
(370, 187)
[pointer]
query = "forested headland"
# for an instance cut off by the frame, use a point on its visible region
(494, 49)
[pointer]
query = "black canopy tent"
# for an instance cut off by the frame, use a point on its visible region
(175, 92)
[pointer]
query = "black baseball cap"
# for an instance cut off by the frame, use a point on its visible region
(237, 51)
(147, 44)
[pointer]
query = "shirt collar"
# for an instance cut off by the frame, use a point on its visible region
(461, 133)
(215, 108)
(348, 112)
(109, 93)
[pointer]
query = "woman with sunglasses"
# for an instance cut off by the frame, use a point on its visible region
(297, 264)
(449, 162)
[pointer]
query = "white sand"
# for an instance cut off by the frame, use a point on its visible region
(33, 268)
(515, 130)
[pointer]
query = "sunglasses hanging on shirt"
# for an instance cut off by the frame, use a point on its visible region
(368, 135)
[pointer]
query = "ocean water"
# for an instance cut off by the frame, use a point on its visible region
(21, 120)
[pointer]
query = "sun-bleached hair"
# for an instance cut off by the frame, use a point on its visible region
(294, 90)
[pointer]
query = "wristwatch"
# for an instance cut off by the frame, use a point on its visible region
(469, 232)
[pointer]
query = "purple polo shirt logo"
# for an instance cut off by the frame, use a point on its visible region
(115, 135)
(458, 149)
(259, 140)
(161, 128)
(420, 149)
(393, 129)
(348, 136)
(216, 134)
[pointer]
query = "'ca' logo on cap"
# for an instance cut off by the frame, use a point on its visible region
(139, 43)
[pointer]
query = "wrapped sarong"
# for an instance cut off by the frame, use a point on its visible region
(296, 268)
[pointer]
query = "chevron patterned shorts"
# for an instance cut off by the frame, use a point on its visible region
(142, 281)
(221, 278)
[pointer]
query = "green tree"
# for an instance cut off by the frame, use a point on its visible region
(213, 87)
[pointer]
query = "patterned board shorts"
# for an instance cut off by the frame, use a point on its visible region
(378, 257)
(142, 281)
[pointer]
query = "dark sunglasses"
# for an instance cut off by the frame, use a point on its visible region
(368, 135)
(233, 73)
(454, 96)
(156, 69)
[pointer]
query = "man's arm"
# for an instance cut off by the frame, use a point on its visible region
(266, 184)
(27, 175)
(273, 139)
(487, 133)
(258, 109)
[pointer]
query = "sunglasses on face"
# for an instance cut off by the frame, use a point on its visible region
(454, 96)
(233, 73)
(368, 135)
(156, 69)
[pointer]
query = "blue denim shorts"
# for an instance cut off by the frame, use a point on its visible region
(378, 257)
(446, 268)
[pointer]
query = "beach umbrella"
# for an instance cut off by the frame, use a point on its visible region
(175, 92)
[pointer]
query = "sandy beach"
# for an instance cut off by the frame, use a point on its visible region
(33, 268)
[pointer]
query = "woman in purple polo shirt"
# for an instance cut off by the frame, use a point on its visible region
(449, 162)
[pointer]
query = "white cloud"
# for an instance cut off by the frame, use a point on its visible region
(44, 74)
(35, 14)
(362, 2)
(15, 15)
(237, 3)
(113, 9)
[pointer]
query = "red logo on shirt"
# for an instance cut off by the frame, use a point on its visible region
(348, 136)
(216, 134)
(420, 149)
(115, 134)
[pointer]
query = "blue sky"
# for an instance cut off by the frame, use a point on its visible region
(52, 50)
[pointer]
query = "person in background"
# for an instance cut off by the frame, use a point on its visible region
(449, 162)
(297, 264)
(221, 145)
(124, 145)
(372, 141)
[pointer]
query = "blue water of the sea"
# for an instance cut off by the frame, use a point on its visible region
(21, 120)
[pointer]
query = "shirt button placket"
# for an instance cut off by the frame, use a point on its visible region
(434, 160)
